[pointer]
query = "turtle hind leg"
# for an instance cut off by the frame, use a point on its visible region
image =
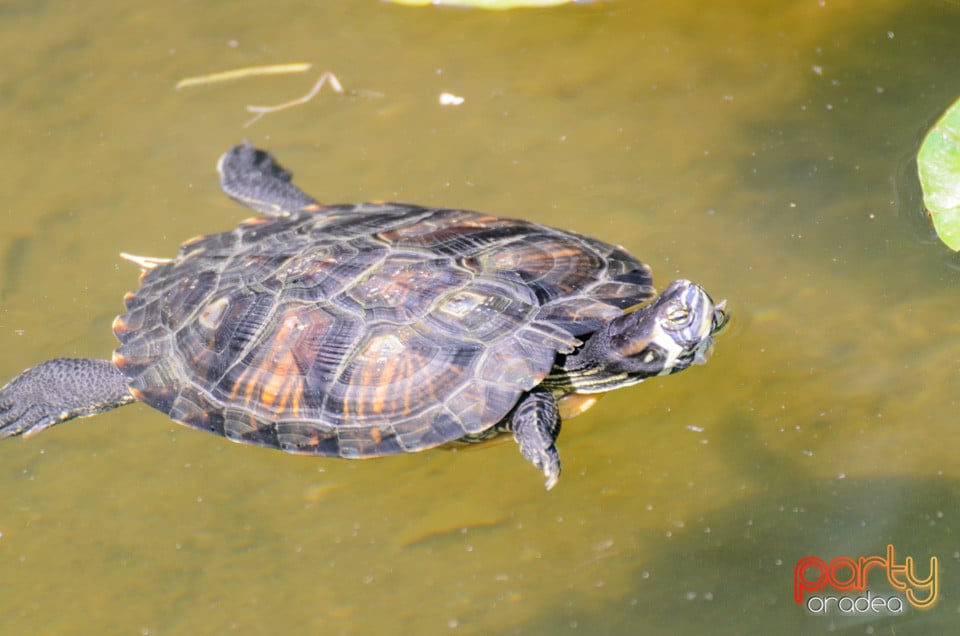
(536, 423)
(59, 390)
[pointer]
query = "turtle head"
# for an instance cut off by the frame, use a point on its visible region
(667, 335)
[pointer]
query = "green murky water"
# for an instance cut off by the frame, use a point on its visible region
(760, 148)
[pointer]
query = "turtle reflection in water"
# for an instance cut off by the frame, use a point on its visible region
(373, 329)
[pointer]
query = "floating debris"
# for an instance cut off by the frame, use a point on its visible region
(243, 73)
(326, 78)
(272, 69)
(449, 99)
(145, 263)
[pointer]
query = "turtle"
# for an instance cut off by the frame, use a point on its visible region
(371, 329)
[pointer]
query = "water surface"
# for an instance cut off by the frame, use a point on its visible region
(761, 148)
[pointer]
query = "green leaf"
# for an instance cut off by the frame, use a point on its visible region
(938, 162)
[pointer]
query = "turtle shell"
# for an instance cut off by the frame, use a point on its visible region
(366, 330)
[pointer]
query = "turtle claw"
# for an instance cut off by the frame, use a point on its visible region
(536, 424)
(19, 415)
(552, 469)
(546, 459)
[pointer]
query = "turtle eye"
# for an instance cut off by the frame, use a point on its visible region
(678, 314)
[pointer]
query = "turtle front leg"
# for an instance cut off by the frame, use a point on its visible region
(536, 423)
(59, 390)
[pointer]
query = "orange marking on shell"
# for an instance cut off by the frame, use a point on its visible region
(268, 394)
(381, 362)
(119, 326)
(383, 382)
(284, 382)
(190, 241)
(406, 402)
(477, 220)
(236, 387)
(118, 360)
(284, 395)
(295, 407)
(375, 434)
(276, 380)
(244, 384)
(251, 387)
